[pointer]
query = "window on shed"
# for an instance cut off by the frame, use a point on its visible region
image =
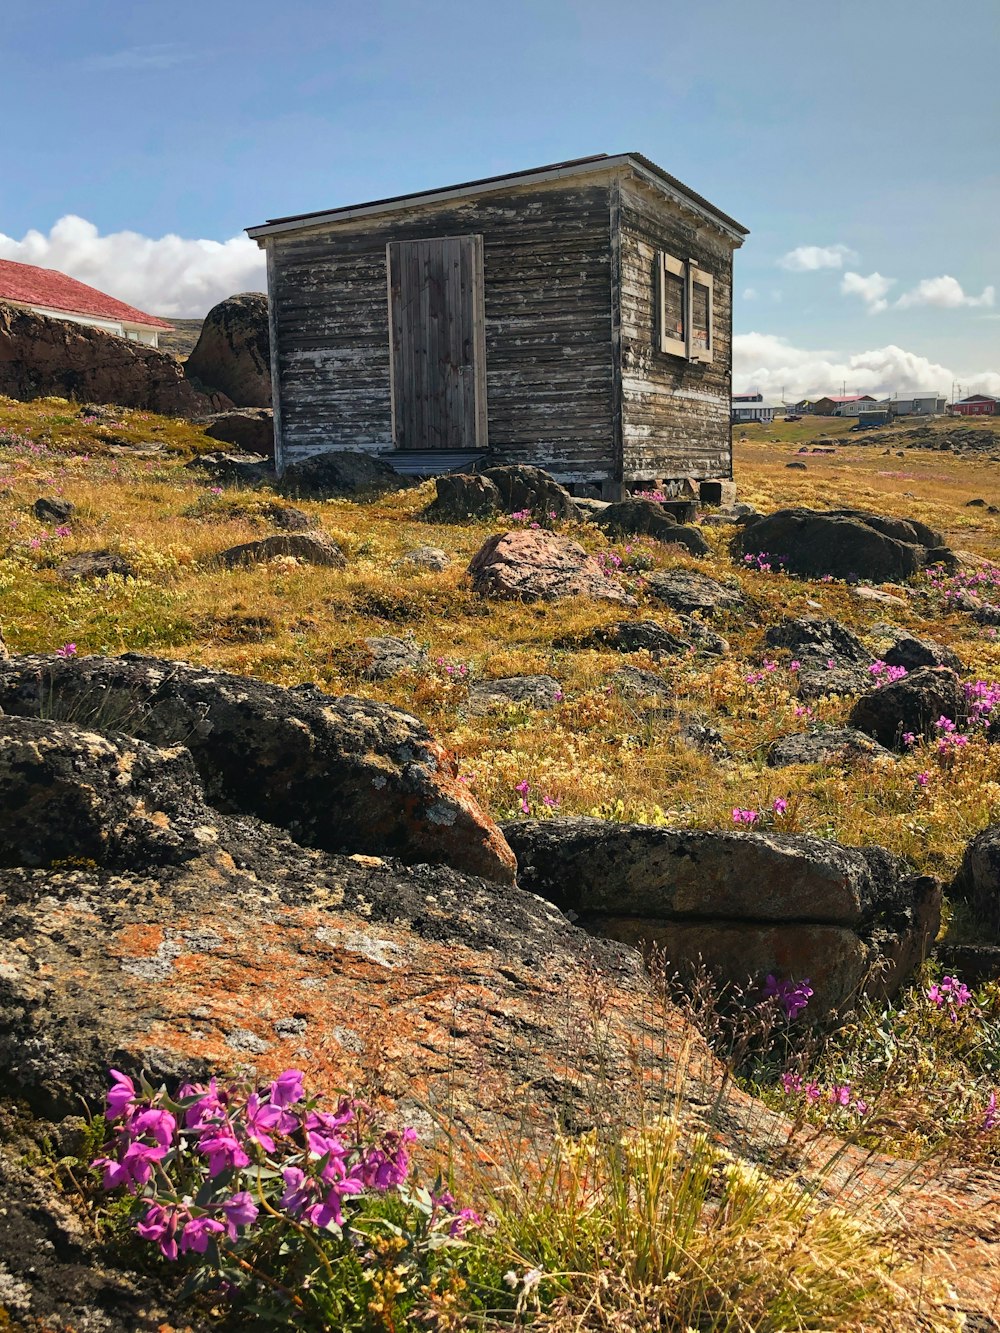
(685, 309)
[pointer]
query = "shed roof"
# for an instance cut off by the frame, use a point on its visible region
(24, 284)
(553, 171)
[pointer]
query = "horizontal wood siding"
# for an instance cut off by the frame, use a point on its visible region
(547, 307)
(675, 413)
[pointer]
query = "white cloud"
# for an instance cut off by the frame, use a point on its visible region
(167, 275)
(945, 292)
(809, 258)
(872, 289)
(750, 294)
(774, 366)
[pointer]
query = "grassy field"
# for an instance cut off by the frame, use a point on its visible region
(600, 751)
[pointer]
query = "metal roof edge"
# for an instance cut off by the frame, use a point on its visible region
(598, 164)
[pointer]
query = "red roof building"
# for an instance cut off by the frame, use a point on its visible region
(48, 292)
(976, 405)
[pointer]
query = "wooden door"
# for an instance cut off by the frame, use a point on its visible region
(438, 344)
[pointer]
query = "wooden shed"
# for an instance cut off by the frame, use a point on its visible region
(576, 316)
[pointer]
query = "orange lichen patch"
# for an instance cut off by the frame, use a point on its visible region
(140, 940)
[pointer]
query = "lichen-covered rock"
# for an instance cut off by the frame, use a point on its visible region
(639, 517)
(463, 496)
(912, 704)
(830, 745)
(233, 351)
(912, 654)
(339, 773)
(312, 548)
(832, 658)
(432, 558)
(687, 590)
(523, 487)
(43, 357)
(53, 509)
(744, 903)
(528, 565)
(94, 565)
(532, 691)
(978, 880)
(845, 543)
(389, 656)
(341, 472)
(633, 636)
(250, 429)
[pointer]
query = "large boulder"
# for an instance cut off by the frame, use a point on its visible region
(341, 472)
(745, 904)
(827, 745)
(42, 357)
(338, 773)
(640, 517)
(912, 654)
(912, 704)
(523, 487)
(534, 565)
(687, 590)
(844, 543)
(233, 351)
(978, 880)
(250, 429)
(312, 548)
(832, 658)
(462, 497)
(541, 692)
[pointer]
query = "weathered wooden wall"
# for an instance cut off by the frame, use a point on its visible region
(547, 288)
(675, 413)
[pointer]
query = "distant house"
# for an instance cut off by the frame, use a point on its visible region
(916, 405)
(753, 408)
(48, 292)
(575, 316)
(977, 405)
(843, 405)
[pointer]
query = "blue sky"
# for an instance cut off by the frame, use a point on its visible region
(864, 131)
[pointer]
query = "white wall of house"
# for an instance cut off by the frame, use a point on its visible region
(136, 333)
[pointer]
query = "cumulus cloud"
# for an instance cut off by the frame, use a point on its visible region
(872, 290)
(775, 367)
(946, 293)
(166, 275)
(809, 258)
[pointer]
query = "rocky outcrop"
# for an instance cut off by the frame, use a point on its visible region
(911, 705)
(42, 357)
(462, 497)
(86, 565)
(633, 636)
(341, 472)
(250, 429)
(389, 656)
(338, 773)
(312, 548)
(832, 659)
(638, 517)
(530, 691)
(978, 880)
(523, 487)
(744, 904)
(527, 565)
(687, 590)
(912, 654)
(230, 469)
(844, 543)
(233, 351)
(830, 745)
(52, 509)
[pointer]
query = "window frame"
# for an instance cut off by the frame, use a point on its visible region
(690, 273)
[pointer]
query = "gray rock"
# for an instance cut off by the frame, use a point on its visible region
(229, 469)
(233, 353)
(848, 919)
(428, 557)
(687, 590)
(94, 565)
(635, 683)
(831, 745)
(338, 773)
(912, 704)
(633, 636)
(540, 692)
(534, 565)
(341, 472)
(462, 497)
(845, 543)
(51, 509)
(916, 653)
(978, 880)
(524, 487)
(390, 657)
(250, 429)
(704, 639)
(287, 517)
(312, 548)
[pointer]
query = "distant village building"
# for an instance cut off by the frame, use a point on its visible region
(977, 405)
(916, 405)
(753, 408)
(48, 292)
(843, 405)
(575, 316)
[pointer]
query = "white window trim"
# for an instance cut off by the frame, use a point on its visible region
(670, 345)
(690, 273)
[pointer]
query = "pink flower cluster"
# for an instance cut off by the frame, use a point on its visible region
(792, 996)
(455, 669)
(195, 1161)
(764, 562)
(886, 674)
(523, 788)
(837, 1096)
(752, 817)
(950, 994)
